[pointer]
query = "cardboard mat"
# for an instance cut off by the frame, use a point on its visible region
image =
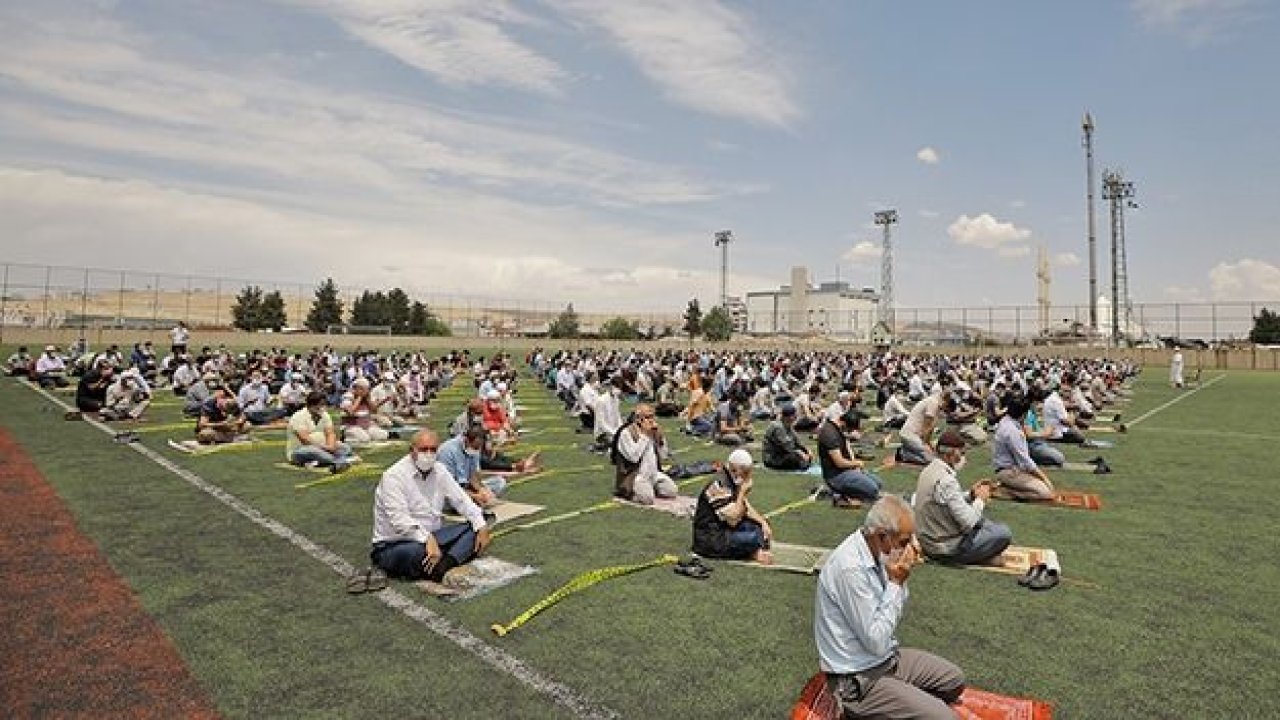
(504, 511)
(476, 578)
(682, 506)
(1017, 560)
(803, 559)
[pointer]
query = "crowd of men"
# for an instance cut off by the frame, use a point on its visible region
(812, 404)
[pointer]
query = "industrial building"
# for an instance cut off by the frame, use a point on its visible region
(831, 309)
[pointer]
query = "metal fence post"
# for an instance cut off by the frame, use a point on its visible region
(186, 310)
(4, 302)
(1177, 320)
(217, 304)
(1017, 323)
(1213, 314)
(84, 301)
(44, 308)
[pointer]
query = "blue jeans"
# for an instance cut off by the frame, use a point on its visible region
(744, 540)
(320, 456)
(403, 558)
(985, 541)
(263, 417)
(1045, 454)
(701, 426)
(858, 484)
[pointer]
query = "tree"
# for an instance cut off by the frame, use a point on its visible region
(370, 308)
(247, 311)
(620, 328)
(1266, 328)
(397, 308)
(717, 326)
(693, 319)
(422, 322)
(271, 313)
(565, 325)
(326, 309)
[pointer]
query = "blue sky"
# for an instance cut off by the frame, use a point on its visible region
(587, 150)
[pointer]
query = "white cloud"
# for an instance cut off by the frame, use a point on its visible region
(1066, 260)
(864, 250)
(988, 233)
(1198, 21)
(928, 156)
(703, 55)
(458, 42)
(1183, 294)
(1245, 280)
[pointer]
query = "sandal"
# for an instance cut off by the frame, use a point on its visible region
(691, 570)
(371, 579)
(1032, 575)
(1047, 580)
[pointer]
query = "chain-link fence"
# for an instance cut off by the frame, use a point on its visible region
(93, 299)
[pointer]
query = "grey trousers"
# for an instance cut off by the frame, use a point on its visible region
(918, 685)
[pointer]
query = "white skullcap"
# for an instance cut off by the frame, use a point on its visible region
(740, 458)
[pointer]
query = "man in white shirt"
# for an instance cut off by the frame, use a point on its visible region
(1058, 421)
(410, 539)
(862, 593)
(127, 398)
(641, 448)
(918, 430)
(178, 338)
(1175, 369)
(51, 369)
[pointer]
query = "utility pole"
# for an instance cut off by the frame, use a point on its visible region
(887, 218)
(723, 238)
(1117, 191)
(1087, 126)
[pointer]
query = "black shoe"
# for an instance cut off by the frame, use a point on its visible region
(1095, 460)
(1116, 418)
(1032, 575)
(1046, 580)
(1101, 468)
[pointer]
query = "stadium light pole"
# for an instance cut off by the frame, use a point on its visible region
(723, 238)
(886, 219)
(1087, 127)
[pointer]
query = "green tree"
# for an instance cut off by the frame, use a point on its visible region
(397, 308)
(326, 309)
(565, 325)
(371, 308)
(247, 311)
(1266, 328)
(717, 326)
(693, 319)
(422, 322)
(620, 328)
(271, 313)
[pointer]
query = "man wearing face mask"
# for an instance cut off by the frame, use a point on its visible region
(312, 439)
(253, 398)
(410, 539)
(862, 593)
(461, 456)
(949, 523)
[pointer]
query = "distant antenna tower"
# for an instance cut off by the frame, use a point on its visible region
(723, 238)
(1087, 126)
(1042, 298)
(1118, 192)
(887, 218)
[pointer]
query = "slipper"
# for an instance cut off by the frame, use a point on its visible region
(371, 579)
(1047, 580)
(1032, 575)
(697, 561)
(73, 415)
(1101, 468)
(697, 572)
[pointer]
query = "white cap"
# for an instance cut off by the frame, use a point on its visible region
(492, 395)
(740, 458)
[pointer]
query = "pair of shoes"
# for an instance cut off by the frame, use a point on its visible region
(1115, 418)
(73, 415)
(128, 436)
(1122, 428)
(371, 579)
(339, 467)
(1096, 460)
(1040, 577)
(693, 568)
(848, 503)
(1101, 468)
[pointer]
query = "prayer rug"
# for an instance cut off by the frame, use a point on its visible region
(682, 506)
(818, 703)
(475, 578)
(1017, 560)
(1080, 467)
(504, 511)
(803, 559)
(1061, 498)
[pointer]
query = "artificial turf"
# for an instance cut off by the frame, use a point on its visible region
(1169, 607)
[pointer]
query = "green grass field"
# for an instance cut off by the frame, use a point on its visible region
(1170, 607)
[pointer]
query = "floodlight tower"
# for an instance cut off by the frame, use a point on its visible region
(723, 238)
(887, 218)
(1042, 297)
(1118, 191)
(1087, 142)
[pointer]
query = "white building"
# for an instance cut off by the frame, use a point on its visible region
(737, 311)
(832, 309)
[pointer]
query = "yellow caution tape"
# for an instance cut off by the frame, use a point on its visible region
(579, 583)
(606, 505)
(791, 506)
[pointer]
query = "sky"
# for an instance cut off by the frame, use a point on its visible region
(588, 150)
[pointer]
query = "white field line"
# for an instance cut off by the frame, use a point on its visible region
(1174, 401)
(565, 696)
(1214, 433)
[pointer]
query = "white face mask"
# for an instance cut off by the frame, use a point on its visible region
(424, 461)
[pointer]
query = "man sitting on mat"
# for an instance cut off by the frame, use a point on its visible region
(311, 437)
(918, 430)
(638, 451)
(19, 363)
(461, 456)
(842, 471)
(128, 397)
(725, 525)
(781, 445)
(1016, 471)
(410, 539)
(949, 523)
(51, 369)
(1062, 427)
(862, 591)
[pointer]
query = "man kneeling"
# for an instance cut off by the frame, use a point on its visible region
(860, 600)
(949, 524)
(410, 539)
(725, 525)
